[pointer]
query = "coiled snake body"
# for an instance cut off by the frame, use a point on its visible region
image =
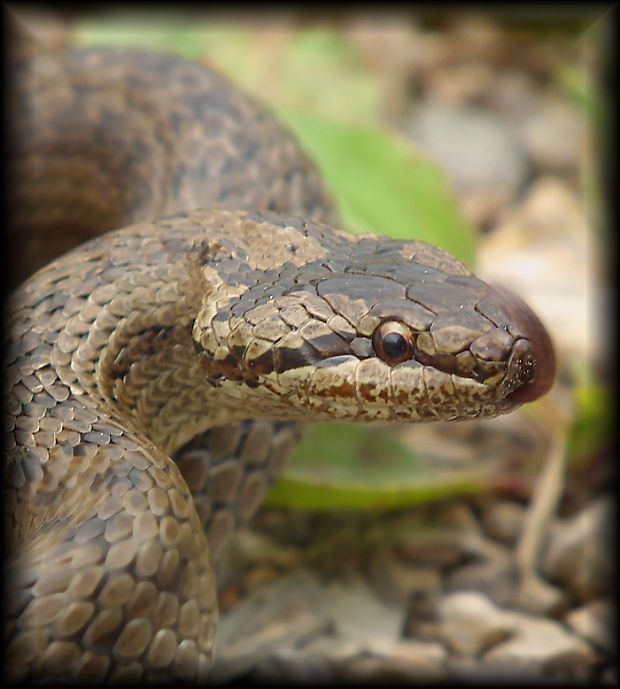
(223, 314)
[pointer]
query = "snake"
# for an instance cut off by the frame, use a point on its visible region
(157, 376)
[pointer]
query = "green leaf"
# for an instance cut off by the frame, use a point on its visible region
(342, 466)
(594, 418)
(382, 185)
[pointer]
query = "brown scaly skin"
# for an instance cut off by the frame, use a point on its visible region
(205, 336)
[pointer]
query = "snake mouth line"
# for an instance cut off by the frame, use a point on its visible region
(522, 374)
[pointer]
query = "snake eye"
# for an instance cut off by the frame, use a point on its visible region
(393, 342)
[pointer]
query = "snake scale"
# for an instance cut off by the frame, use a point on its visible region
(156, 375)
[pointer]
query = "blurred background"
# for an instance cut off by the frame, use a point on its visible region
(433, 550)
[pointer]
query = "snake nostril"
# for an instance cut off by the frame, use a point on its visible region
(533, 372)
(533, 357)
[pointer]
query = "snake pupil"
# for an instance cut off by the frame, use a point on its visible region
(394, 345)
(392, 342)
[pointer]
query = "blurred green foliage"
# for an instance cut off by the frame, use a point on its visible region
(381, 185)
(594, 419)
(342, 466)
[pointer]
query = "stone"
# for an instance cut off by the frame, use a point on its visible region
(514, 96)
(271, 619)
(470, 623)
(355, 613)
(294, 666)
(547, 228)
(407, 661)
(540, 648)
(579, 555)
(396, 581)
(496, 578)
(482, 155)
(537, 596)
(503, 522)
(441, 543)
(595, 622)
(555, 137)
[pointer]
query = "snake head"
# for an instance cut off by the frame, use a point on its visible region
(377, 330)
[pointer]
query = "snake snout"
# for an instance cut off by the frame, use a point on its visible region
(531, 367)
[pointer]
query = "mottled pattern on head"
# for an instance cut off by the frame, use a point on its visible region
(298, 318)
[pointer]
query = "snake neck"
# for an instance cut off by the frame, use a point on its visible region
(149, 371)
(153, 378)
(115, 333)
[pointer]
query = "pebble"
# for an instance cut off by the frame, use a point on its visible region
(537, 596)
(595, 622)
(470, 623)
(355, 612)
(335, 648)
(481, 154)
(514, 96)
(497, 579)
(453, 535)
(462, 82)
(295, 666)
(578, 556)
(459, 515)
(540, 648)
(549, 228)
(555, 137)
(464, 668)
(396, 581)
(503, 522)
(438, 549)
(420, 654)
(271, 618)
(407, 661)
